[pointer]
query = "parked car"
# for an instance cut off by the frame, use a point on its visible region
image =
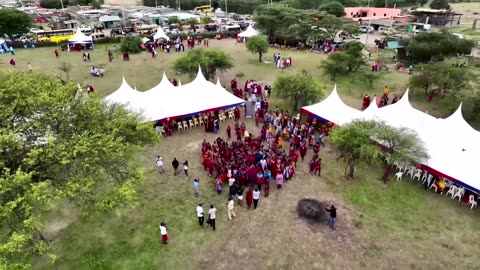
(366, 29)
(85, 28)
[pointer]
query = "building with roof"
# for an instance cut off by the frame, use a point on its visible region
(440, 17)
(369, 13)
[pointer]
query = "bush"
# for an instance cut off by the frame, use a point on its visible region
(131, 45)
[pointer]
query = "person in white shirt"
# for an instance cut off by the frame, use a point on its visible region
(256, 198)
(185, 168)
(163, 232)
(231, 181)
(231, 205)
(212, 214)
(200, 216)
(159, 162)
(263, 163)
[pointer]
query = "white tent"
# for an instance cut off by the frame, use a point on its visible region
(249, 32)
(160, 34)
(80, 38)
(125, 95)
(166, 101)
(332, 109)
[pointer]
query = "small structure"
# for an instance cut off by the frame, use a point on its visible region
(385, 23)
(160, 34)
(248, 33)
(109, 21)
(369, 13)
(80, 41)
(436, 16)
(70, 24)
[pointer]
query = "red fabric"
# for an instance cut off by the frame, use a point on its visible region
(249, 198)
(165, 237)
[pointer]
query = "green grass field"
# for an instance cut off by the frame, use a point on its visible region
(393, 226)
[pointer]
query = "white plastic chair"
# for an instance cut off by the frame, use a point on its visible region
(452, 190)
(418, 174)
(399, 175)
(400, 167)
(411, 171)
(434, 186)
(459, 193)
(471, 201)
(427, 177)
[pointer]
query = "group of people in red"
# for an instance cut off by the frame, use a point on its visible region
(383, 101)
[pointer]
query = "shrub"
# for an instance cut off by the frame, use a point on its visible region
(131, 45)
(311, 210)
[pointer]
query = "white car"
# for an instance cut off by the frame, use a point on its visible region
(85, 28)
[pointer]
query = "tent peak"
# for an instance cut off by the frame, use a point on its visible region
(200, 74)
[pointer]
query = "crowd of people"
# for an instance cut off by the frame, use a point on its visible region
(282, 62)
(97, 71)
(382, 101)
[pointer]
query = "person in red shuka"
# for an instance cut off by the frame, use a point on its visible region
(233, 84)
(229, 132)
(237, 114)
(303, 151)
(318, 167)
(249, 198)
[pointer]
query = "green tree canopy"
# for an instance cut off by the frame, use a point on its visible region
(354, 143)
(439, 4)
(298, 89)
(54, 4)
(57, 144)
(131, 44)
(206, 20)
(401, 145)
(210, 60)
(430, 46)
(272, 19)
(348, 59)
(334, 8)
(257, 44)
(13, 21)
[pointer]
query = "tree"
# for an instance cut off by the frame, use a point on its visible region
(96, 4)
(189, 21)
(307, 4)
(424, 81)
(131, 44)
(13, 21)
(349, 59)
(54, 4)
(173, 20)
(298, 89)
(354, 143)
(401, 145)
(210, 60)
(334, 8)
(206, 20)
(439, 4)
(430, 46)
(59, 145)
(257, 44)
(272, 19)
(66, 68)
(370, 77)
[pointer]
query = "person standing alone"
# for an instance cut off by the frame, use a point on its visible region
(333, 215)
(159, 162)
(185, 168)
(196, 187)
(231, 205)
(200, 216)
(175, 164)
(256, 198)
(163, 232)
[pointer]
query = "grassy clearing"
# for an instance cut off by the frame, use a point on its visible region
(397, 226)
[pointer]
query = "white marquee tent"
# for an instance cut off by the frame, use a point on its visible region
(80, 38)
(453, 156)
(166, 101)
(249, 32)
(160, 34)
(332, 109)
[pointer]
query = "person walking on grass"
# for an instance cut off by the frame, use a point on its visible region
(185, 168)
(333, 215)
(256, 198)
(200, 216)
(196, 187)
(240, 191)
(212, 215)
(175, 164)
(163, 232)
(159, 162)
(231, 205)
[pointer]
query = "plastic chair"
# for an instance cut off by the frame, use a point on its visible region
(231, 115)
(399, 175)
(459, 194)
(190, 123)
(195, 122)
(411, 171)
(433, 185)
(200, 121)
(471, 201)
(185, 125)
(179, 126)
(452, 190)
(418, 174)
